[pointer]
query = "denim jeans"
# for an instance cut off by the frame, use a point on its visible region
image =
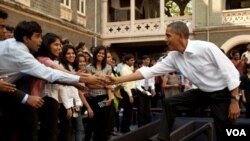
(78, 128)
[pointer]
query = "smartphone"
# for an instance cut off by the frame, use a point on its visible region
(102, 103)
(148, 93)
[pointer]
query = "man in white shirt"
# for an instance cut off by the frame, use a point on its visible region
(17, 60)
(207, 67)
(145, 91)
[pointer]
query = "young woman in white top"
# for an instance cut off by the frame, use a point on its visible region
(48, 54)
(69, 112)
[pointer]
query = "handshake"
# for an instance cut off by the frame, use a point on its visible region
(98, 79)
(103, 79)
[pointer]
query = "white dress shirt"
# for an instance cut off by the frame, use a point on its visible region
(146, 83)
(203, 63)
(16, 59)
(69, 95)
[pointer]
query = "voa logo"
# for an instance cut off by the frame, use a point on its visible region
(236, 132)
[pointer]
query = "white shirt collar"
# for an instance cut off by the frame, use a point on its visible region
(190, 48)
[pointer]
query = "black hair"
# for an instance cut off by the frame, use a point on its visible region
(44, 49)
(63, 59)
(65, 41)
(10, 28)
(3, 14)
(179, 28)
(80, 45)
(26, 28)
(128, 57)
(96, 51)
(235, 52)
(92, 49)
(138, 62)
(145, 57)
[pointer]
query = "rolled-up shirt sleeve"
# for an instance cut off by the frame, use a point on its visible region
(160, 68)
(228, 70)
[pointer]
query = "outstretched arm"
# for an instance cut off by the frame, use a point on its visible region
(126, 78)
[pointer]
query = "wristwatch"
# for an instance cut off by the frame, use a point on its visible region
(235, 97)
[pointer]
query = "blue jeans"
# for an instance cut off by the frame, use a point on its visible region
(78, 128)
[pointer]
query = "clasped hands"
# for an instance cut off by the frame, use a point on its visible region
(97, 79)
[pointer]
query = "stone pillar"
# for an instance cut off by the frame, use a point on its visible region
(162, 15)
(104, 15)
(132, 15)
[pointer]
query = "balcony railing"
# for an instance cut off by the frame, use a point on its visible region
(144, 27)
(236, 17)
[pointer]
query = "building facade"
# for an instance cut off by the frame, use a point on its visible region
(223, 22)
(141, 25)
(76, 20)
(135, 26)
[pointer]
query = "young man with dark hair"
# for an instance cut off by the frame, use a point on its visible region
(17, 60)
(127, 92)
(145, 91)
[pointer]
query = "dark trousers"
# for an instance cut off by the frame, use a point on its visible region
(111, 120)
(218, 101)
(19, 121)
(247, 105)
(127, 112)
(144, 105)
(65, 126)
(154, 100)
(48, 116)
(97, 125)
